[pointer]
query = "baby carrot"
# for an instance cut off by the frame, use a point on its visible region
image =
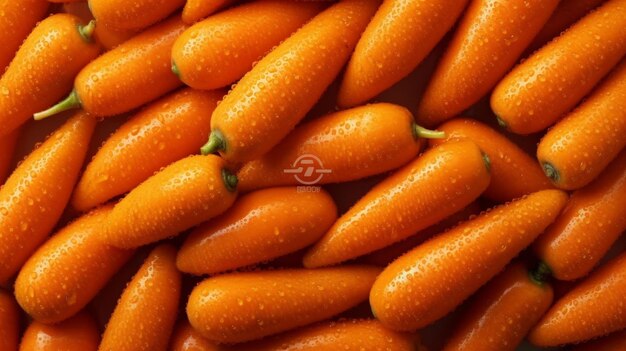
(68, 270)
(135, 14)
(34, 196)
(437, 184)
(503, 312)
(388, 49)
(221, 49)
(276, 94)
(593, 308)
(240, 307)
(196, 10)
(261, 226)
(613, 342)
(513, 172)
(540, 90)
(431, 280)
(43, 68)
(17, 20)
(343, 143)
(184, 194)
(185, 338)
(165, 131)
(110, 38)
(487, 43)
(578, 148)
(145, 314)
(132, 74)
(589, 225)
(9, 321)
(7, 148)
(79, 333)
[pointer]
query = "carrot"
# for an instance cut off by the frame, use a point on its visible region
(591, 309)
(261, 226)
(490, 38)
(221, 49)
(439, 183)
(17, 20)
(503, 311)
(578, 148)
(79, 333)
(68, 270)
(539, 91)
(34, 196)
(185, 338)
(9, 322)
(184, 194)
(276, 94)
(431, 280)
(388, 50)
(43, 68)
(513, 172)
(165, 131)
(132, 74)
(145, 314)
(590, 224)
(7, 149)
(196, 10)
(240, 307)
(341, 143)
(613, 342)
(135, 15)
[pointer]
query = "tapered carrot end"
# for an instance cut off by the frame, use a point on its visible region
(550, 171)
(230, 180)
(421, 132)
(540, 274)
(70, 102)
(86, 32)
(215, 143)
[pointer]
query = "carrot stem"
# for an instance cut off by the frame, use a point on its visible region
(175, 69)
(487, 160)
(215, 143)
(70, 102)
(540, 274)
(550, 171)
(86, 32)
(421, 132)
(230, 180)
(501, 122)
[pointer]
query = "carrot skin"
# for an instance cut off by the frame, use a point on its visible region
(79, 333)
(9, 321)
(431, 280)
(613, 342)
(7, 149)
(196, 10)
(408, 201)
(35, 195)
(249, 306)
(17, 20)
(186, 338)
(133, 15)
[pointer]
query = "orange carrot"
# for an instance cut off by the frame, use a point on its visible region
(240, 307)
(439, 183)
(579, 147)
(389, 49)
(590, 224)
(145, 314)
(342, 143)
(68, 270)
(134, 73)
(135, 14)
(79, 333)
(553, 80)
(43, 68)
(7, 148)
(513, 172)
(221, 49)
(34, 196)
(184, 194)
(276, 94)
(431, 280)
(261, 226)
(17, 20)
(490, 38)
(165, 131)
(613, 342)
(593, 308)
(9, 322)
(196, 10)
(185, 338)
(503, 312)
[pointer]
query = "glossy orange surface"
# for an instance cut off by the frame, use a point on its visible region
(185, 338)
(17, 20)
(134, 14)
(79, 333)
(196, 10)
(9, 322)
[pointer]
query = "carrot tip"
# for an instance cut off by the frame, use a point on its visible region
(230, 180)
(215, 143)
(540, 274)
(501, 122)
(70, 102)
(175, 70)
(550, 172)
(86, 32)
(486, 160)
(421, 132)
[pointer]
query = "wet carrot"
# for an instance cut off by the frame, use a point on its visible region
(9, 321)
(589, 225)
(490, 38)
(165, 131)
(342, 143)
(387, 51)
(513, 172)
(393, 210)
(184, 194)
(145, 314)
(17, 20)
(261, 226)
(431, 280)
(591, 309)
(134, 73)
(68, 270)
(578, 148)
(248, 306)
(613, 342)
(34, 196)
(540, 90)
(502, 312)
(7, 148)
(196, 10)
(79, 333)
(43, 68)
(276, 94)
(185, 338)
(135, 15)
(221, 49)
